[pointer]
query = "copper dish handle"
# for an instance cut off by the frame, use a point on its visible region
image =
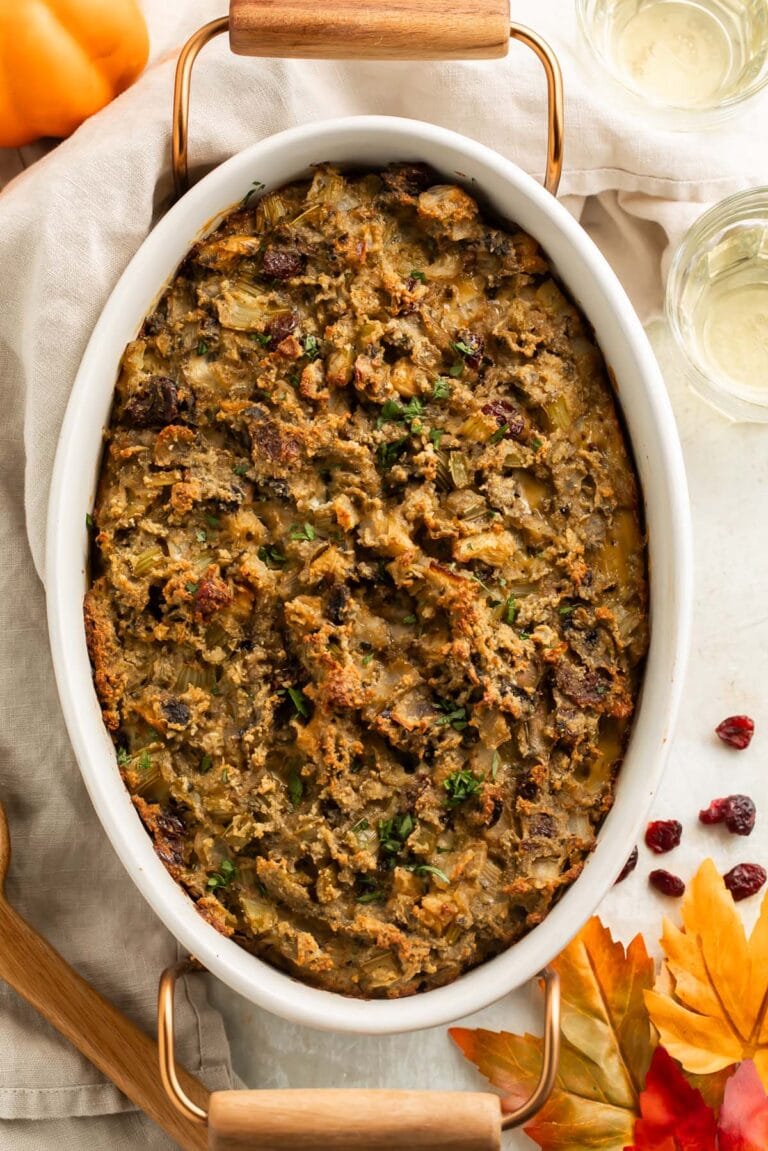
(353, 1119)
(189, 53)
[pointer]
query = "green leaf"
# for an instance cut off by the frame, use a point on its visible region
(299, 701)
(295, 788)
(201, 536)
(417, 275)
(456, 368)
(510, 610)
(224, 876)
(461, 785)
(241, 469)
(202, 348)
(390, 452)
(442, 389)
(436, 435)
(206, 763)
(88, 521)
(305, 532)
(272, 556)
(499, 434)
(123, 756)
(427, 869)
(455, 716)
(463, 348)
(311, 346)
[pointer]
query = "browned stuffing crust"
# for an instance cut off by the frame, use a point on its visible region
(369, 599)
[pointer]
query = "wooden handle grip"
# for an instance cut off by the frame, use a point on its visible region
(102, 1033)
(348, 1120)
(379, 30)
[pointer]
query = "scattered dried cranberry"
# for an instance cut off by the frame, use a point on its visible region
(282, 263)
(667, 883)
(506, 415)
(663, 834)
(628, 867)
(736, 731)
(737, 812)
(744, 879)
(281, 326)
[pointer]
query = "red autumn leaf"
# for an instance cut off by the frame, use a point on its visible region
(674, 1117)
(743, 1123)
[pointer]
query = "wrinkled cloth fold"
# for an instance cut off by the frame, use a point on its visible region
(70, 219)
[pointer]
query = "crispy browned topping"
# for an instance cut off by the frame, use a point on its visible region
(369, 595)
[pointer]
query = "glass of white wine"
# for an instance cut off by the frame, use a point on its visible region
(682, 63)
(717, 305)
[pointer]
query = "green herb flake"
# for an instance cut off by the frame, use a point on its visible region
(536, 443)
(202, 348)
(436, 435)
(455, 716)
(456, 368)
(191, 588)
(393, 832)
(262, 338)
(145, 761)
(417, 275)
(409, 619)
(361, 825)
(255, 187)
(499, 434)
(206, 763)
(390, 453)
(295, 788)
(566, 609)
(272, 556)
(510, 610)
(305, 532)
(224, 876)
(89, 521)
(463, 348)
(311, 346)
(427, 869)
(495, 764)
(442, 389)
(241, 469)
(212, 521)
(372, 896)
(367, 658)
(299, 701)
(201, 536)
(123, 756)
(461, 785)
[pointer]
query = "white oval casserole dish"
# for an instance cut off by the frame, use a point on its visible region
(514, 196)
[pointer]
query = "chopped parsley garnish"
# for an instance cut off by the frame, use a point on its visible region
(427, 869)
(212, 521)
(367, 658)
(456, 368)
(295, 788)
(206, 763)
(536, 443)
(299, 701)
(373, 895)
(410, 619)
(394, 832)
(392, 410)
(417, 275)
(202, 348)
(510, 610)
(272, 556)
(436, 435)
(463, 348)
(461, 785)
(455, 716)
(442, 389)
(361, 825)
(390, 453)
(255, 187)
(305, 532)
(311, 346)
(145, 761)
(241, 469)
(88, 520)
(566, 609)
(525, 635)
(191, 588)
(201, 536)
(123, 756)
(223, 877)
(262, 338)
(499, 434)
(495, 762)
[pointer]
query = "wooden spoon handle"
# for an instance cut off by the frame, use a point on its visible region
(94, 1026)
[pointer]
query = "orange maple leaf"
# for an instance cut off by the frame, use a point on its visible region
(606, 1048)
(710, 1004)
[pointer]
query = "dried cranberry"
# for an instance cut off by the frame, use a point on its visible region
(176, 712)
(667, 883)
(737, 812)
(663, 834)
(744, 879)
(505, 413)
(211, 595)
(628, 867)
(736, 731)
(282, 263)
(281, 326)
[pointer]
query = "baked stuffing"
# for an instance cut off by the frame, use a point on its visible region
(368, 607)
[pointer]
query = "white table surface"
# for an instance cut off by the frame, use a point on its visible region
(727, 468)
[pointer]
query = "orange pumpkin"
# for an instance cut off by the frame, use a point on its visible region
(62, 60)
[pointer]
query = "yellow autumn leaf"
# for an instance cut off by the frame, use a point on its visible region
(710, 1004)
(606, 1049)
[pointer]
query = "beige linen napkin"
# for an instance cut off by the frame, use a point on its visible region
(69, 224)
